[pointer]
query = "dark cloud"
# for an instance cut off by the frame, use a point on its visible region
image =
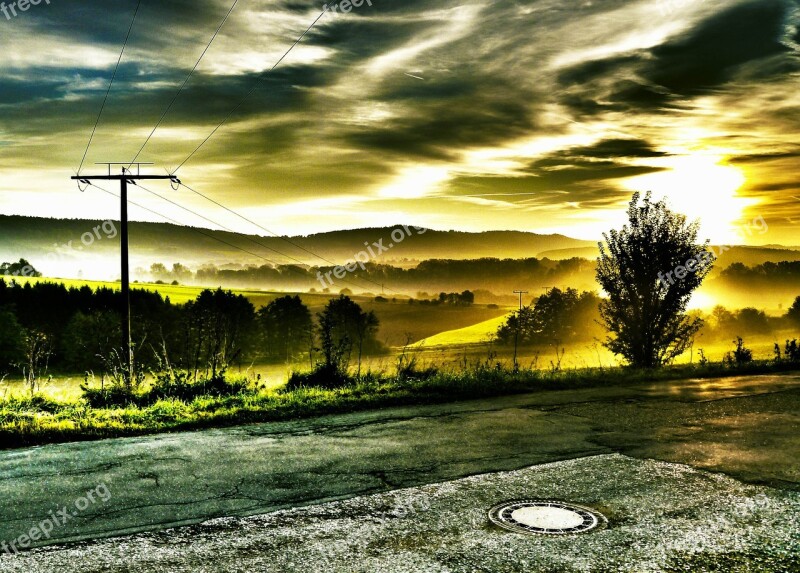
(761, 157)
(437, 127)
(776, 186)
(713, 52)
(582, 173)
(615, 148)
(700, 60)
(356, 39)
(107, 22)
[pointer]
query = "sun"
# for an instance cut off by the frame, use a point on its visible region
(702, 187)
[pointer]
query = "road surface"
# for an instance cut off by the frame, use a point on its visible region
(745, 427)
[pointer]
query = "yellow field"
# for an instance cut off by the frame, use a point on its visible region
(473, 334)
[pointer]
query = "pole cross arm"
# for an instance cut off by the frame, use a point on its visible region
(127, 176)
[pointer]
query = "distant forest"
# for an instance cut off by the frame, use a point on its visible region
(483, 276)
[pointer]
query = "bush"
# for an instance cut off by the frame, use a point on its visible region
(792, 351)
(741, 356)
(325, 376)
(178, 386)
(408, 369)
(173, 385)
(109, 396)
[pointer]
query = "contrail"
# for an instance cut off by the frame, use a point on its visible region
(413, 76)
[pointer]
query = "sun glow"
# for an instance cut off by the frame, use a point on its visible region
(701, 187)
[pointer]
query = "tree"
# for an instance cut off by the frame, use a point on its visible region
(89, 339)
(557, 315)
(649, 270)
(218, 330)
(723, 320)
(22, 267)
(12, 340)
(181, 273)
(37, 350)
(793, 314)
(342, 327)
(159, 271)
(286, 326)
(753, 321)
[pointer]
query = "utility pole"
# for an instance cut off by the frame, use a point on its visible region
(520, 293)
(125, 178)
(516, 330)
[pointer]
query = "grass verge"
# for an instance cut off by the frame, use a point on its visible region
(40, 420)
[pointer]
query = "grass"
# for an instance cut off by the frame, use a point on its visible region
(40, 420)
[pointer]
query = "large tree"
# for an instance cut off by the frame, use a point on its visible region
(649, 270)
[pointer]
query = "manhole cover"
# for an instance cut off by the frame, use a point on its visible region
(545, 517)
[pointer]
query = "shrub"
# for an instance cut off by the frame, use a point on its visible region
(172, 385)
(109, 396)
(741, 355)
(325, 376)
(792, 351)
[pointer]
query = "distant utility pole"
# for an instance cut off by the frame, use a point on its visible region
(124, 179)
(520, 293)
(516, 330)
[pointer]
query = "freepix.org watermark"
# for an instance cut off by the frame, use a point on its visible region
(58, 518)
(705, 258)
(12, 9)
(361, 258)
(68, 249)
(345, 5)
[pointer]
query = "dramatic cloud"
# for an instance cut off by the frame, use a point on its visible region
(527, 114)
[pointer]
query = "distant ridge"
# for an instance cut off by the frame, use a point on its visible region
(35, 237)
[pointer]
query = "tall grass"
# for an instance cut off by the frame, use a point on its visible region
(26, 421)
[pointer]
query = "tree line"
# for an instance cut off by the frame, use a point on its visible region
(49, 326)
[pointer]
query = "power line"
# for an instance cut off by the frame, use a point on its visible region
(186, 81)
(274, 234)
(195, 229)
(252, 89)
(108, 91)
(259, 243)
(195, 213)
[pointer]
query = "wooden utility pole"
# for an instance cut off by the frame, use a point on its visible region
(125, 178)
(516, 330)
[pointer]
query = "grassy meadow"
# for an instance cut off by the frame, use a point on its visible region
(437, 353)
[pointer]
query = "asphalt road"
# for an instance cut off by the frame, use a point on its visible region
(746, 428)
(661, 518)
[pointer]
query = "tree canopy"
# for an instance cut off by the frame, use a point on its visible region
(649, 270)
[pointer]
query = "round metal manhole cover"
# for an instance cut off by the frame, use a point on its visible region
(546, 517)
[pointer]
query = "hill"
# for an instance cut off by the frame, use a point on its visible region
(62, 247)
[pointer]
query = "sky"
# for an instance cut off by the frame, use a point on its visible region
(539, 115)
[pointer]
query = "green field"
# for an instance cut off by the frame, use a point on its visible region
(447, 337)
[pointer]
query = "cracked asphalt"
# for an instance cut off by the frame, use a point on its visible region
(744, 427)
(715, 523)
